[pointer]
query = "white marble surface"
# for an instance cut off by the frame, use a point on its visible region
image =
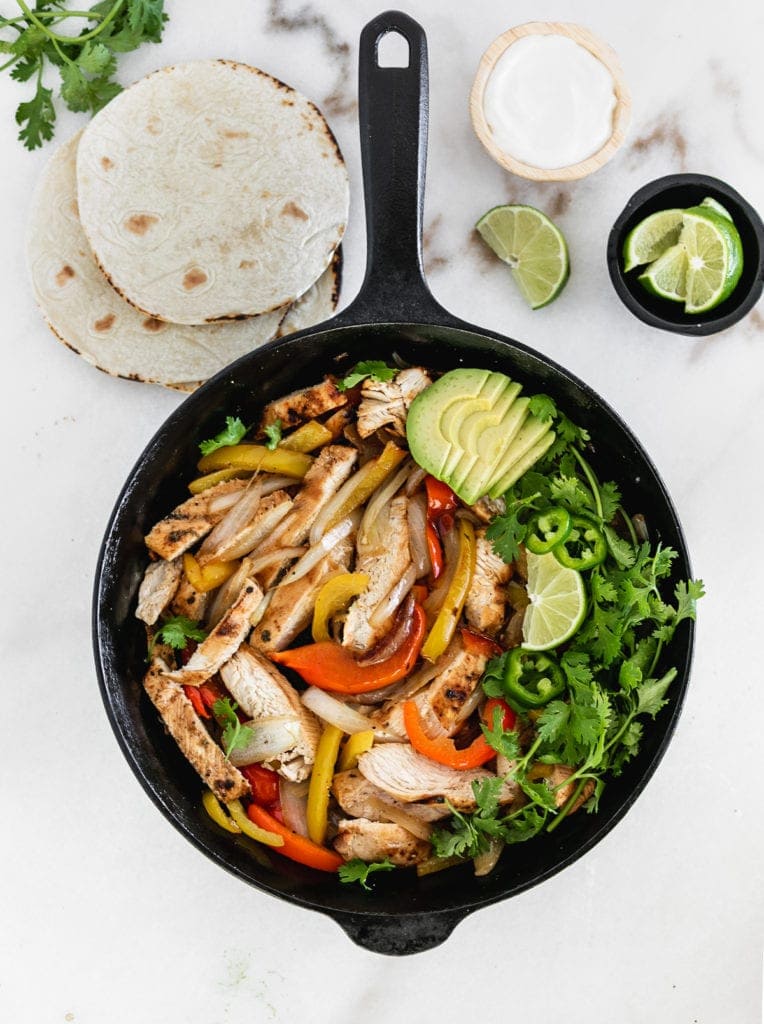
(108, 915)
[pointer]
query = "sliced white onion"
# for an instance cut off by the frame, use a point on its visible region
(233, 521)
(487, 861)
(417, 517)
(337, 533)
(415, 480)
(451, 555)
(273, 483)
(261, 609)
(468, 706)
(228, 592)
(404, 689)
(415, 826)
(270, 737)
(367, 535)
(388, 605)
(222, 502)
(335, 711)
(335, 504)
(277, 555)
(294, 805)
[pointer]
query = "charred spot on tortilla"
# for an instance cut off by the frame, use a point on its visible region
(291, 209)
(139, 223)
(106, 163)
(105, 323)
(65, 274)
(152, 324)
(193, 278)
(236, 135)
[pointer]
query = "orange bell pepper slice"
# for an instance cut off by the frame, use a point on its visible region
(332, 667)
(443, 749)
(296, 847)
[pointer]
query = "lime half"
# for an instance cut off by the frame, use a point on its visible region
(714, 258)
(557, 603)
(527, 240)
(666, 277)
(651, 238)
(716, 206)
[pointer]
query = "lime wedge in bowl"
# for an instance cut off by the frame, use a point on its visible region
(666, 277)
(557, 603)
(716, 206)
(714, 258)
(532, 246)
(651, 238)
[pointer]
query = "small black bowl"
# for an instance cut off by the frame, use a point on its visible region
(683, 190)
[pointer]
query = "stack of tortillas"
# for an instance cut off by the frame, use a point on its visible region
(197, 217)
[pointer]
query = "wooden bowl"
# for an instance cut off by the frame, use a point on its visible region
(597, 48)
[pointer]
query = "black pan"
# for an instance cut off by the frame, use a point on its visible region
(393, 314)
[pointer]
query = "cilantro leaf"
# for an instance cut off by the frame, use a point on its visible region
(373, 368)
(273, 434)
(357, 870)
(231, 434)
(97, 59)
(146, 18)
(37, 118)
(235, 735)
(507, 532)
(651, 693)
(177, 631)
(86, 94)
(542, 407)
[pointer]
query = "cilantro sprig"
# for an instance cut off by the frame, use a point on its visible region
(357, 870)
(176, 632)
(86, 62)
(235, 735)
(273, 435)
(232, 433)
(373, 368)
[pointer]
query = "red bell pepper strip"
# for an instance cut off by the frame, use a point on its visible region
(193, 694)
(332, 667)
(296, 847)
(420, 592)
(440, 498)
(443, 749)
(508, 719)
(434, 550)
(477, 643)
(264, 784)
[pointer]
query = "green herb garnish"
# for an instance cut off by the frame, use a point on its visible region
(357, 870)
(176, 632)
(373, 368)
(87, 62)
(232, 433)
(235, 735)
(273, 435)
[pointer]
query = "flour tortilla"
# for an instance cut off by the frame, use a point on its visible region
(318, 303)
(92, 319)
(210, 190)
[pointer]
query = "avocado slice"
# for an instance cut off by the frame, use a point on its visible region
(490, 450)
(526, 450)
(490, 395)
(435, 414)
(473, 435)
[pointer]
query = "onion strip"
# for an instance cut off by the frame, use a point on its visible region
(234, 521)
(398, 816)
(270, 737)
(334, 711)
(417, 520)
(383, 494)
(293, 797)
(308, 561)
(389, 604)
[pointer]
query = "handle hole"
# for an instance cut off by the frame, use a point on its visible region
(393, 50)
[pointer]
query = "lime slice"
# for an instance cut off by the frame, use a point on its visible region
(557, 603)
(714, 258)
(717, 207)
(666, 277)
(651, 238)
(534, 248)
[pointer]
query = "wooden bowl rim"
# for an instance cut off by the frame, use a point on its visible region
(599, 49)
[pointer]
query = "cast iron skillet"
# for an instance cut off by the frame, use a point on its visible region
(394, 314)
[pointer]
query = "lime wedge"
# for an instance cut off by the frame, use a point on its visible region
(557, 603)
(717, 207)
(714, 258)
(534, 248)
(651, 238)
(666, 277)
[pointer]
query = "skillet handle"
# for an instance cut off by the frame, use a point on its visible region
(398, 935)
(393, 115)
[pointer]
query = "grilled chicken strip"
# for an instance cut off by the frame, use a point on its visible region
(358, 798)
(331, 469)
(409, 777)
(189, 601)
(303, 405)
(386, 403)
(385, 564)
(189, 732)
(376, 840)
(193, 519)
(224, 639)
(263, 692)
(157, 589)
(291, 607)
(486, 602)
(268, 514)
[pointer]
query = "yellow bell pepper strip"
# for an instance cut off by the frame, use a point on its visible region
(214, 808)
(356, 744)
(296, 847)
(320, 782)
(202, 483)
(307, 438)
(367, 480)
(445, 624)
(332, 667)
(335, 595)
(208, 577)
(254, 830)
(443, 749)
(257, 456)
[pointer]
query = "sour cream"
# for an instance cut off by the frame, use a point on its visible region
(549, 102)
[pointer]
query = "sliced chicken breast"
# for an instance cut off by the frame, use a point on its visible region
(386, 403)
(358, 798)
(304, 404)
(193, 519)
(189, 601)
(385, 564)
(264, 520)
(376, 840)
(224, 639)
(189, 732)
(261, 691)
(158, 587)
(486, 603)
(409, 777)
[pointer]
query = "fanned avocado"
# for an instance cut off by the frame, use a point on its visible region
(472, 430)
